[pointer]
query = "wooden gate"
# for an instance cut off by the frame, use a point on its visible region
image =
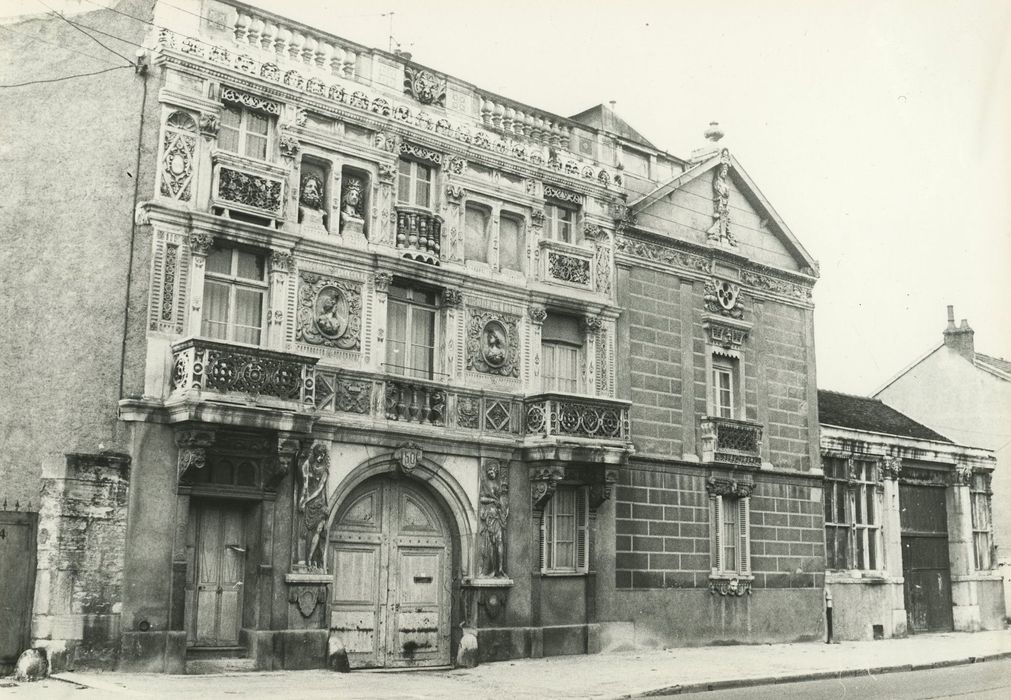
(925, 565)
(17, 584)
(392, 555)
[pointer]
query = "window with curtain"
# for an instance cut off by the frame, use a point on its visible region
(410, 332)
(982, 541)
(565, 531)
(475, 236)
(729, 524)
(414, 184)
(244, 131)
(561, 353)
(235, 289)
(511, 243)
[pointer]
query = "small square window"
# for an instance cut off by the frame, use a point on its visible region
(561, 222)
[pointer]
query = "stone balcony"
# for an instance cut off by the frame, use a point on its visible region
(217, 370)
(419, 234)
(565, 416)
(731, 442)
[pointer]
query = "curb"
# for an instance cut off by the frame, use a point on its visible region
(705, 686)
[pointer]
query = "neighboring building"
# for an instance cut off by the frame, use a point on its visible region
(908, 533)
(313, 344)
(966, 395)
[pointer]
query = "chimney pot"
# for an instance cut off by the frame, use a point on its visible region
(951, 317)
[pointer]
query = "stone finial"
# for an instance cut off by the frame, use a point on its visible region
(714, 133)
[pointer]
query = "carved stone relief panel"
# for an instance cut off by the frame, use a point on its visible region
(493, 343)
(329, 312)
(723, 298)
(179, 142)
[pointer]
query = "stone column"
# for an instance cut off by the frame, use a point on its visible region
(200, 245)
(891, 541)
(282, 265)
(964, 594)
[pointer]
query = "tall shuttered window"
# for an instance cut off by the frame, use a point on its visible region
(565, 532)
(235, 290)
(729, 518)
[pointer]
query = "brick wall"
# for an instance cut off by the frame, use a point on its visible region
(662, 531)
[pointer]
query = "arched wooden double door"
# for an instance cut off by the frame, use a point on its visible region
(392, 557)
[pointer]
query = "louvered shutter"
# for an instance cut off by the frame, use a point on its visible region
(542, 516)
(715, 532)
(743, 527)
(582, 518)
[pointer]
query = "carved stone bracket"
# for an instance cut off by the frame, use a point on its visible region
(381, 281)
(201, 243)
(725, 336)
(591, 324)
(537, 314)
(278, 468)
(962, 476)
(192, 455)
(454, 193)
(288, 144)
(282, 261)
(307, 598)
(602, 491)
(451, 296)
(726, 486)
(890, 468)
(209, 125)
(544, 483)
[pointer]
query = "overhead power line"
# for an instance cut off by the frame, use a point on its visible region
(66, 77)
(78, 28)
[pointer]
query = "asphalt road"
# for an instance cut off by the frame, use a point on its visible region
(990, 680)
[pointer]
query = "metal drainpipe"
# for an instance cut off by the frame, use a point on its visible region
(828, 615)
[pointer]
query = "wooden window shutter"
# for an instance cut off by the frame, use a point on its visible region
(743, 527)
(582, 520)
(715, 530)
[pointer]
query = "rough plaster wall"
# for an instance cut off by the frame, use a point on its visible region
(67, 172)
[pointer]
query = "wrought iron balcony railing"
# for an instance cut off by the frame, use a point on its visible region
(561, 415)
(211, 366)
(419, 234)
(728, 441)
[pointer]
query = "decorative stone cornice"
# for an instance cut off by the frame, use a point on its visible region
(420, 152)
(251, 101)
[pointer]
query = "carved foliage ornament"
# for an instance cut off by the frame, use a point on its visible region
(251, 101)
(179, 145)
(424, 86)
(567, 268)
(493, 343)
(252, 190)
(563, 195)
(329, 312)
(201, 242)
(720, 486)
(192, 454)
(723, 298)
(420, 152)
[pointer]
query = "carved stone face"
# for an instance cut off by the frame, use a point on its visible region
(494, 349)
(491, 471)
(312, 192)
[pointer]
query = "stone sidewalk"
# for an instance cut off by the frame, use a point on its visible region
(614, 675)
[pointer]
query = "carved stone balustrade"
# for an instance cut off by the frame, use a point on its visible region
(243, 187)
(210, 367)
(562, 415)
(732, 442)
(415, 401)
(419, 234)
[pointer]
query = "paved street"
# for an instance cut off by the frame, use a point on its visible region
(615, 675)
(985, 681)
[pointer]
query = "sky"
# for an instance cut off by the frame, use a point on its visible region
(880, 131)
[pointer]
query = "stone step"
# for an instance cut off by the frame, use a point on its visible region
(227, 665)
(225, 652)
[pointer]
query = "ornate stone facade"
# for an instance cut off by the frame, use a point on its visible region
(493, 343)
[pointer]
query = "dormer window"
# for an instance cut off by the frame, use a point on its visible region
(244, 131)
(415, 184)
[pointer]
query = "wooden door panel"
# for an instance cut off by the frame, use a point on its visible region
(17, 577)
(220, 551)
(355, 611)
(416, 637)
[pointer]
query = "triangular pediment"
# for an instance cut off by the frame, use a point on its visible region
(717, 203)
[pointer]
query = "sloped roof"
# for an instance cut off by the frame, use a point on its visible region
(995, 364)
(864, 413)
(604, 118)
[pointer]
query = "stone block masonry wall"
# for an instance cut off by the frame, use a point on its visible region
(786, 357)
(655, 336)
(787, 535)
(662, 531)
(81, 540)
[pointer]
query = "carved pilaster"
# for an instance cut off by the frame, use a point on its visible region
(200, 246)
(282, 264)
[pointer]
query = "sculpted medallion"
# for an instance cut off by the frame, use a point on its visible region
(493, 343)
(329, 312)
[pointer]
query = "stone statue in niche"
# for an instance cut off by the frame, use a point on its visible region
(494, 510)
(352, 206)
(311, 213)
(312, 505)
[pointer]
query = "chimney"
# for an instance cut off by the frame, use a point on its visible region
(959, 338)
